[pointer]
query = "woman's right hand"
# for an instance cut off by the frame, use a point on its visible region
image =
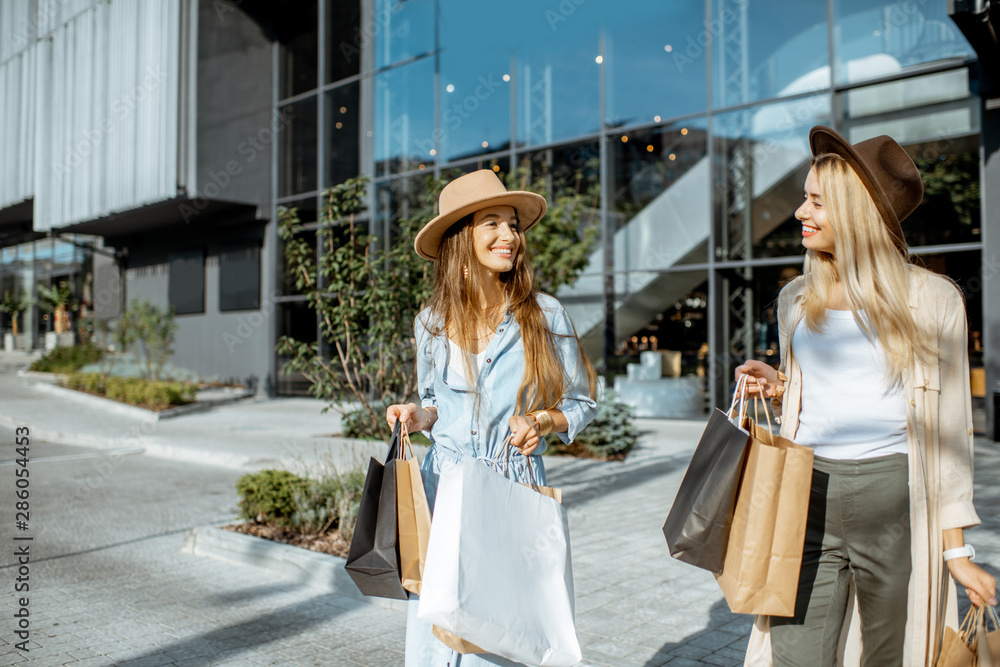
(415, 417)
(762, 377)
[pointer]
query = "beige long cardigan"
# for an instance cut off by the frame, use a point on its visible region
(939, 422)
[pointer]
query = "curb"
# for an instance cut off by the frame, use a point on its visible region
(314, 569)
(47, 386)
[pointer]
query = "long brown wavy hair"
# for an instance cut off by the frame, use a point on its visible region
(457, 309)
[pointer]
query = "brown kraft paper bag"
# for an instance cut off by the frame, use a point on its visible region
(761, 570)
(414, 518)
(958, 649)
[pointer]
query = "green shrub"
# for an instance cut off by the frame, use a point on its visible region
(611, 435)
(360, 424)
(134, 391)
(67, 359)
(269, 496)
(307, 506)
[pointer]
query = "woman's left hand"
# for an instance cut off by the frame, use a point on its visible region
(979, 584)
(524, 437)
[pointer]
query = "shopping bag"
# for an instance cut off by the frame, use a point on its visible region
(373, 557)
(761, 571)
(988, 641)
(453, 641)
(698, 524)
(498, 571)
(414, 517)
(958, 649)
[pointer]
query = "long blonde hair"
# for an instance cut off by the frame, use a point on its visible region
(874, 273)
(457, 307)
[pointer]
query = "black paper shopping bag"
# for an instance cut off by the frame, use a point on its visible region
(373, 558)
(697, 526)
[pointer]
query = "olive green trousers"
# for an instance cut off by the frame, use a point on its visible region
(858, 530)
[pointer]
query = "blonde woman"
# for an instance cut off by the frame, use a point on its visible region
(875, 377)
(495, 357)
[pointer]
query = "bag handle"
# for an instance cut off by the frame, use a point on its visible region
(758, 400)
(740, 396)
(405, 440)
(527, 461)
(394, 442)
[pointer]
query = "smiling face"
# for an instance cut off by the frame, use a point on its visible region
(817, 230)
(494, 234)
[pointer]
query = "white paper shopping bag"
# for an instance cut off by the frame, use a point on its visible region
(498, 570)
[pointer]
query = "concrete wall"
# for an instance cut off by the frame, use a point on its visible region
(227, 345)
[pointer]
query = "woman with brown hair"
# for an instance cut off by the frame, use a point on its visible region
(496, 358)
(874, 377)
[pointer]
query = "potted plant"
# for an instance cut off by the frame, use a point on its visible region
(58, 300)
(14, 304)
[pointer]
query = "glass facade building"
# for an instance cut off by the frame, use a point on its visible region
(692, 118)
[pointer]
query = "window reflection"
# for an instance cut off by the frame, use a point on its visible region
(404, 118)
(298, 47)
(344, 39)
(765, 157)
(876, 39)
(651, 73)
(297, 149)
(342, 138)
(401, 29)
(660, 186)
(765, 50)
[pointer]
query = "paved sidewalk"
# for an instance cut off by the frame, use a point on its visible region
(635, 605)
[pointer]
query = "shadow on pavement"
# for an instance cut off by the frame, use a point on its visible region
(230, 641)
(699, 644)
(254, 593)
(581, 484)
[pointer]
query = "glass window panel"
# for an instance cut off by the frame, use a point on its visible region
(186, 287)
(762, 158)
(404, 118)
(475, 97)
(877, 39)
(765, 50)
(297, 148)
(343, 115)
(936, 120)
(557, 87)
(661, 356)
(660, 181)
(297, 320)
(306, 211)
(298, 47)
(402, 29)
(649, 72)
(343, 39)
(239, 278)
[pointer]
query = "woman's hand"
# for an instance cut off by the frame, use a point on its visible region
(762, 377)
(979, 584)
(525, 436)
(415, 417)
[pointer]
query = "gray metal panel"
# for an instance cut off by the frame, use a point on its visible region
(106, 109)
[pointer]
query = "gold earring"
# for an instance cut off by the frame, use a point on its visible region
(465, 272)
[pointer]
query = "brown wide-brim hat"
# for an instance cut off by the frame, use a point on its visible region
(889, 174)
(468, 194)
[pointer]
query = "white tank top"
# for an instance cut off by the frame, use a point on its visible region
(847, 410)
(456, 361)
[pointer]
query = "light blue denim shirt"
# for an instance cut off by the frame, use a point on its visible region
(458, 432)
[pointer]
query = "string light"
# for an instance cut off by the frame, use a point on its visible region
(599, 59)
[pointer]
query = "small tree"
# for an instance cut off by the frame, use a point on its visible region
(14, 305)
(57, 300)
(153, 329)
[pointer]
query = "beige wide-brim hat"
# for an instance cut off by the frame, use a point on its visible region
(468, 194)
